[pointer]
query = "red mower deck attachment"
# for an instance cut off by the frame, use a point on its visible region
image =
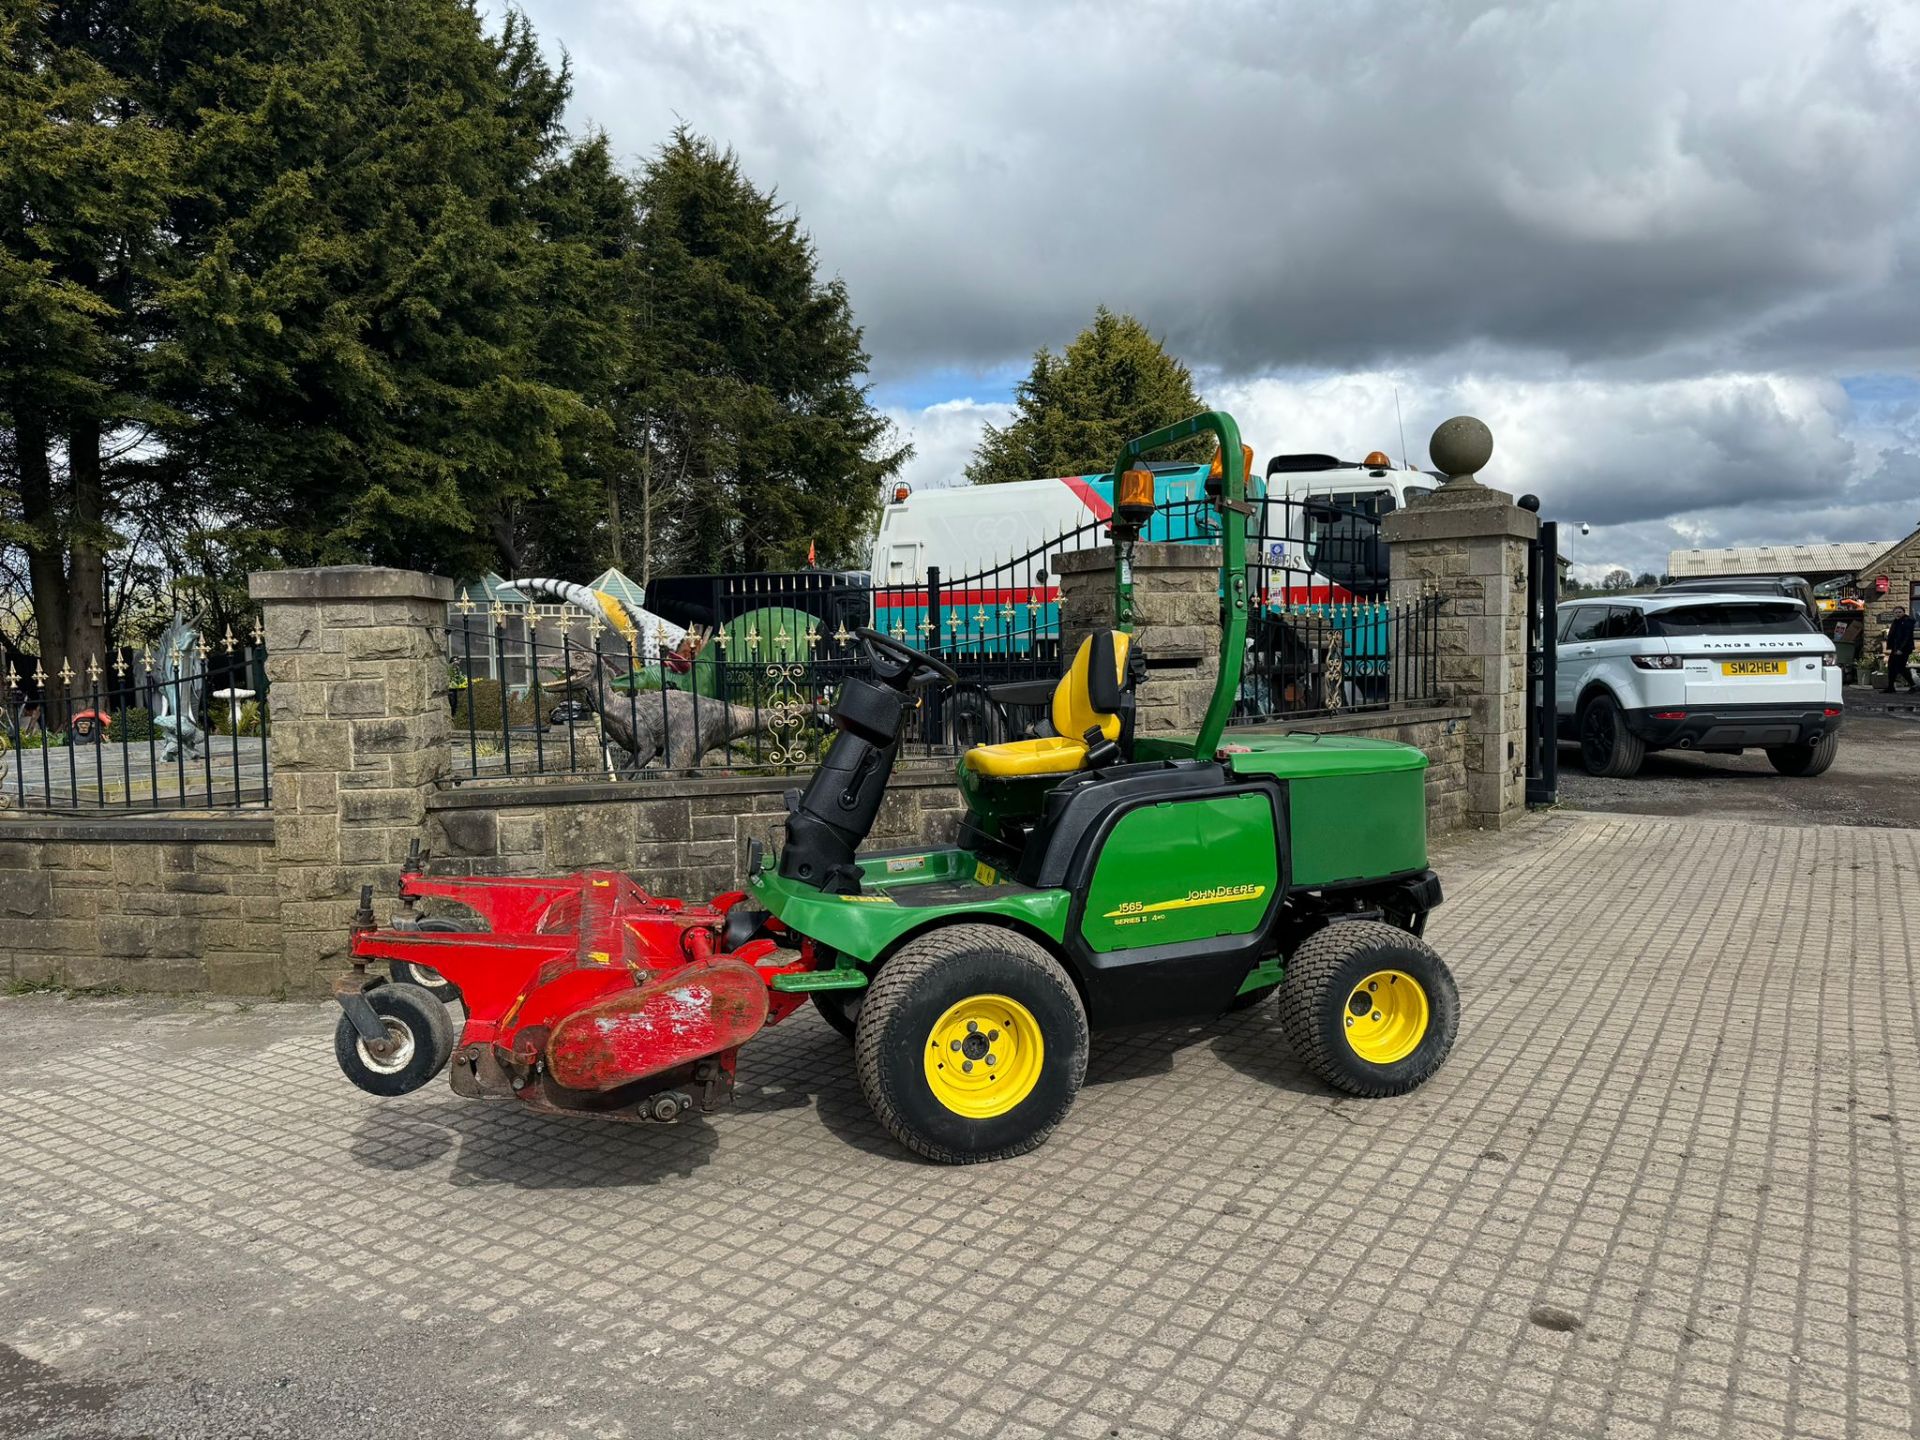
(583, 994)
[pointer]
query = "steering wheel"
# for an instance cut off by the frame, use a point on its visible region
(907, 662)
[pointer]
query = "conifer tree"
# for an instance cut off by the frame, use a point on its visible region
(747, 414)
(1075, 410)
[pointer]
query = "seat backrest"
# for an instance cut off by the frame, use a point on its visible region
(1093, 690)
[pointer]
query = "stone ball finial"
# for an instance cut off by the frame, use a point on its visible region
(1460, 446)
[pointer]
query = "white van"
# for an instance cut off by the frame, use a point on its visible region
(1330, 552)
(971, 529)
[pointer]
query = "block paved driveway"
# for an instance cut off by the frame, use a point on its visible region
(1665, 1187)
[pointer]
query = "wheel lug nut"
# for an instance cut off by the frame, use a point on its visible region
(992, 1035)
(1349, 1022)
(956, 1045)
(972, 1028)
(991, 1059)
(1373, 985)
(1376, 1015)
(967, 1065)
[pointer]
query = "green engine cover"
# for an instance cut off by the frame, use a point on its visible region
(1357, 806)
(1183, 870)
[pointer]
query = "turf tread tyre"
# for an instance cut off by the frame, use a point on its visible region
(927, 975)
(1805, 760)
(426, 1019)
(1320, 976)
(1621, 758)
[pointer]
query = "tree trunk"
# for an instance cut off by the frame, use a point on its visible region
(646, 507)
(86, 629)
(46, 568)
(619, 557)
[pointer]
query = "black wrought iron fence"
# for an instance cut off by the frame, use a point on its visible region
(744, 679)
(747, 698)
(181, 724)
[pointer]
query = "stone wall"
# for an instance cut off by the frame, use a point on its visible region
(1176, 624)
(161, 903)
(1467, 544)
(261, 904)
(681, 837)
(1901, 566)
(356, 656)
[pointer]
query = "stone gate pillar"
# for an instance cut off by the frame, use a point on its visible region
(357, 665)
(1176, 614)
(1468, 543)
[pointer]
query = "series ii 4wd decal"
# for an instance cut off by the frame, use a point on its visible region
(1139, 912)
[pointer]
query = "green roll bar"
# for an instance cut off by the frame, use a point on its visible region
(1232, 505)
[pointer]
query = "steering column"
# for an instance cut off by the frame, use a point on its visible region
(826, 824)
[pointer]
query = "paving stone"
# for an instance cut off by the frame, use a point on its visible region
(1661, 1188)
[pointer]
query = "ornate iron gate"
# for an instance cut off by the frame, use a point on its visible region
(1543, 594)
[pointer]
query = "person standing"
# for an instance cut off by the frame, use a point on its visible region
(1899, 649)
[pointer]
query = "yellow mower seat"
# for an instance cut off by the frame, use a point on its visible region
(1074, 712)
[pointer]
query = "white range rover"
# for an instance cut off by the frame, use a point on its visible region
(1695, 671)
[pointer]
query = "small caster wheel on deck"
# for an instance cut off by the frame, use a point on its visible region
(418, 1044)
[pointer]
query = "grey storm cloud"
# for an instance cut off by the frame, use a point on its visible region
(1692, 218)
(1307, 183)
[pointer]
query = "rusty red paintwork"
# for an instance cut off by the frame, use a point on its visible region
(588, 984)
(700, 1010)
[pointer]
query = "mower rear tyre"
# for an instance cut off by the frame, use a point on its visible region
(840, 1009)
(1369, 1008)
(419, 1032)
(971, 1044)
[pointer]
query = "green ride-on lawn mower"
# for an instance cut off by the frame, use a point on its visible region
(1101, 880)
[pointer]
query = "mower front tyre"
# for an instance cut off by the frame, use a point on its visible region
(419, 1042)
(971, 1044)
(1369, 1008)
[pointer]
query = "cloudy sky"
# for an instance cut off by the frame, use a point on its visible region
(1669, 251)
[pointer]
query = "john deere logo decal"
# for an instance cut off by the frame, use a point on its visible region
(1137, 912)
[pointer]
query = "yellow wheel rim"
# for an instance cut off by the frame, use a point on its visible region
(983, 1056)
(1386, 1017)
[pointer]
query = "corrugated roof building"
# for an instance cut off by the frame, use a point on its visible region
(1815, 562)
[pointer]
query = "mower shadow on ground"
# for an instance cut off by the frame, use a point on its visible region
(1251, 1043)
(502, 1144)
(808, 1064)
(1120, 1055)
